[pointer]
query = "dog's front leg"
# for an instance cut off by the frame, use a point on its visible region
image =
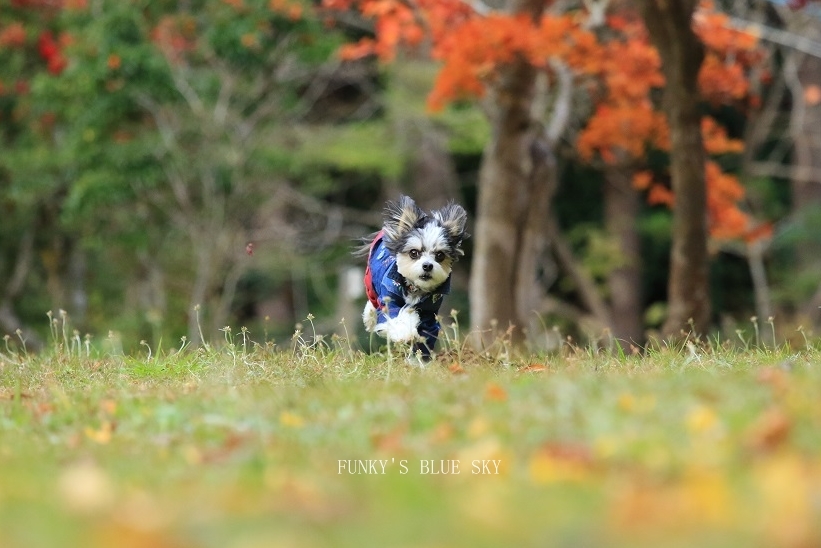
(404, 327)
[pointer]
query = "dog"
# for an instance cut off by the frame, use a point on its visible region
(408, 272)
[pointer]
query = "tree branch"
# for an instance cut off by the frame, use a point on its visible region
(585, 285)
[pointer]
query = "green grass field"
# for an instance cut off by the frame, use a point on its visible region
(321, 445)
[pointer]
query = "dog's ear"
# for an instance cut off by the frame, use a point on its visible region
(401, 217)
(453, 219)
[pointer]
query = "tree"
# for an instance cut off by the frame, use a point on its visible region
(528, 65)
(523, 61)
(168, 131)
(32, 46)
(682, 52)
(626, 126)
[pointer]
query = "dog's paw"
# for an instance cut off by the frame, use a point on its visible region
(369, 317)
(417, 359)
(403, 328)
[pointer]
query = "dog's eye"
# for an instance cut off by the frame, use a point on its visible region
(440, 256)
(414, 254)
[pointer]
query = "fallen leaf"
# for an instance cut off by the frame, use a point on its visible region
(777, 379)
(478, 427)
(769, 431)
(699, 498)
(85, 487)
(108, 406)
(560, 462)
(533, 368)
(456, 368)
(222, 452)
(494, 392)
(442, 433)
(100, 435)
(391, 442)
(785, 491)
(702, 419)
(292, 420)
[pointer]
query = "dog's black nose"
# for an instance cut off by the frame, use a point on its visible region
(427, 267)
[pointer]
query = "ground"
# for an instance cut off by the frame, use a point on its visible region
(319, 444)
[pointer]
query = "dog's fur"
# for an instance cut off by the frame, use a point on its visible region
(409, 267)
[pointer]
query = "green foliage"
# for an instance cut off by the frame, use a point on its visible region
(468, 129)
(159, 142)
(364, 147)
(599, 250)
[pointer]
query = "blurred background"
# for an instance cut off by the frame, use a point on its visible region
(168, 168)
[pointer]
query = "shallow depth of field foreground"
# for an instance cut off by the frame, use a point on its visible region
(320, 445)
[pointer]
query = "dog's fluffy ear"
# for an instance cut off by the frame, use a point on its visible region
(453, 219)
(401, 217)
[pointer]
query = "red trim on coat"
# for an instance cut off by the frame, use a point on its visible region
(369, 290)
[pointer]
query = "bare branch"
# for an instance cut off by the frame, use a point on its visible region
(563, 102)
(224, 97)
(187, 92)
(777, 36)
(585, 285)
(596, 10)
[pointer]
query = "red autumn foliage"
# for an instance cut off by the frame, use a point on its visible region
(625, 123)
(50, 51)
(175, 36)
(13, 36)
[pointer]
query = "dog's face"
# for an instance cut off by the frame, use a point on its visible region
(425, 244)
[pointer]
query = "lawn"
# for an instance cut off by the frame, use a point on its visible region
(322, 445)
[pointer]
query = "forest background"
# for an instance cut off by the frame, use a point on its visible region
(172, 168)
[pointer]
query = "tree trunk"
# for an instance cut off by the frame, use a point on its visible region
(516, 183)
(9, 322)
(503, 208)
(805, 130)
(669, 24)
(622, 204)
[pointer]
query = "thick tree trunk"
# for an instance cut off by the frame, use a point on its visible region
(622, 204)
(516, 184)
(514, 196)
(669, 23)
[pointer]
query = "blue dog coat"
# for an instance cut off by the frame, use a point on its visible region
(387, 290)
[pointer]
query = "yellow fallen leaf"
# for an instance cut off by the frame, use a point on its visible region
(786, 496)
(85, 488)
(478, 427)
(702, 419)
(100, 435)
(561, 463)
(292, 420)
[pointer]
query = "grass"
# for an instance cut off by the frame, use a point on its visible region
(240, 446)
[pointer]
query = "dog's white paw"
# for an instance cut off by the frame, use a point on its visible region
(369, 317)
(402, 328)
(416, 359)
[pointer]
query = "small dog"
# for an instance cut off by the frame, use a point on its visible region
(408, 271)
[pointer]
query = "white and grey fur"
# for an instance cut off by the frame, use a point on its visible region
(425, 246)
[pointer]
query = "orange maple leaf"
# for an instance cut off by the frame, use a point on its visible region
(494, 392)
(642, 180)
